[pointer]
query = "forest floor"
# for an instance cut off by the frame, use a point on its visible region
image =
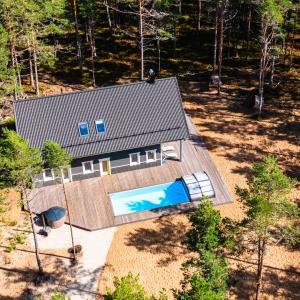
(235, 140)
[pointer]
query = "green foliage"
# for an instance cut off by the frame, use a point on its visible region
(11, 247)
(54, 156)
(267, 197)
(129, 288)
(7, 74)
(20, 238)
(291, 236)
(205, 232)
(274, 9)
(209, 231)
(208, 281)
(59, 296)
(18, 162)
(206, 276)
(17, 238)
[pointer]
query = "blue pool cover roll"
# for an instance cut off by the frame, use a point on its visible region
(55, 213)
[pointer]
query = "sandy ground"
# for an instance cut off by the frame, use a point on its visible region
(18, 268)
(152, 248)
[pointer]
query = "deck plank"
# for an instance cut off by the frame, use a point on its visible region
(89, 200)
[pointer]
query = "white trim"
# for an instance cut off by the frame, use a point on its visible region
(128, 165)
(45, 178)
(100, 166)
(83, 167)
(147, 158)
(131, 163)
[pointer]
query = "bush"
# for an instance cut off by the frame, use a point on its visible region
(11, 247)
(59, 296)
(129, 288)
(20, 238)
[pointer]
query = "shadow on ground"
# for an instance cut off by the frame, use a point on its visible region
(165, 239)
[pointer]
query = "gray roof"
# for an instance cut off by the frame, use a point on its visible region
(135, 115)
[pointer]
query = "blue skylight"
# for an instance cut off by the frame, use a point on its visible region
(83, 129)
(100, 126)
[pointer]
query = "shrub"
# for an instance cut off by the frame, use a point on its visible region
(129, 288)
(59, 296)
(20, 238)
(11, 247)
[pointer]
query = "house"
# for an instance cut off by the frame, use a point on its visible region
(106, 130)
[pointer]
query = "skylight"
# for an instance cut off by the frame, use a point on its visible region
(83, 129)
(100, 126)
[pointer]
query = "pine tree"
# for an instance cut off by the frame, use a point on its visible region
(19, 163)
(267, 199)
(7, 72)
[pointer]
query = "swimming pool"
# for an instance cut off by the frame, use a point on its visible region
(148, 198)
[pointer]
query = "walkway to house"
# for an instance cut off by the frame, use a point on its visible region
(89, 201)
(95, 246)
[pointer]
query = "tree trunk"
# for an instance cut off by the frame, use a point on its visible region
(260, 265)
(116, 15)
(229, 43)
(78, 44)
(92, 44)
(158, 55)
(293, 39)
(272, 71)
(141, 10)
(30, 63)
(37, 89)
(15, 63)
(179, 7)
(264, 48)
(174, 37)
(249, 29)
(108, 15)
(216, 40)
(70, 222)
(41, 271)
(221, 37)
(199, 15)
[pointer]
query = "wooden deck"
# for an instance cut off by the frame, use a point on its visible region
(89, 202)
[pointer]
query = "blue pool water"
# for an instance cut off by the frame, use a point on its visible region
(148, 198)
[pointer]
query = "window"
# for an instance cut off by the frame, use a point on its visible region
(100, 126)
(150, 156)
(48, 175)
(83, 129)
(134, 159)
(88, 167)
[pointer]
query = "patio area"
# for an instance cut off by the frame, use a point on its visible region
(89, 201)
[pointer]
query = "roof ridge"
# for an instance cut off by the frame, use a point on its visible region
(89, 90)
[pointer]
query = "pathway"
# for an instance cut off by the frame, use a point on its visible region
(95, 245)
